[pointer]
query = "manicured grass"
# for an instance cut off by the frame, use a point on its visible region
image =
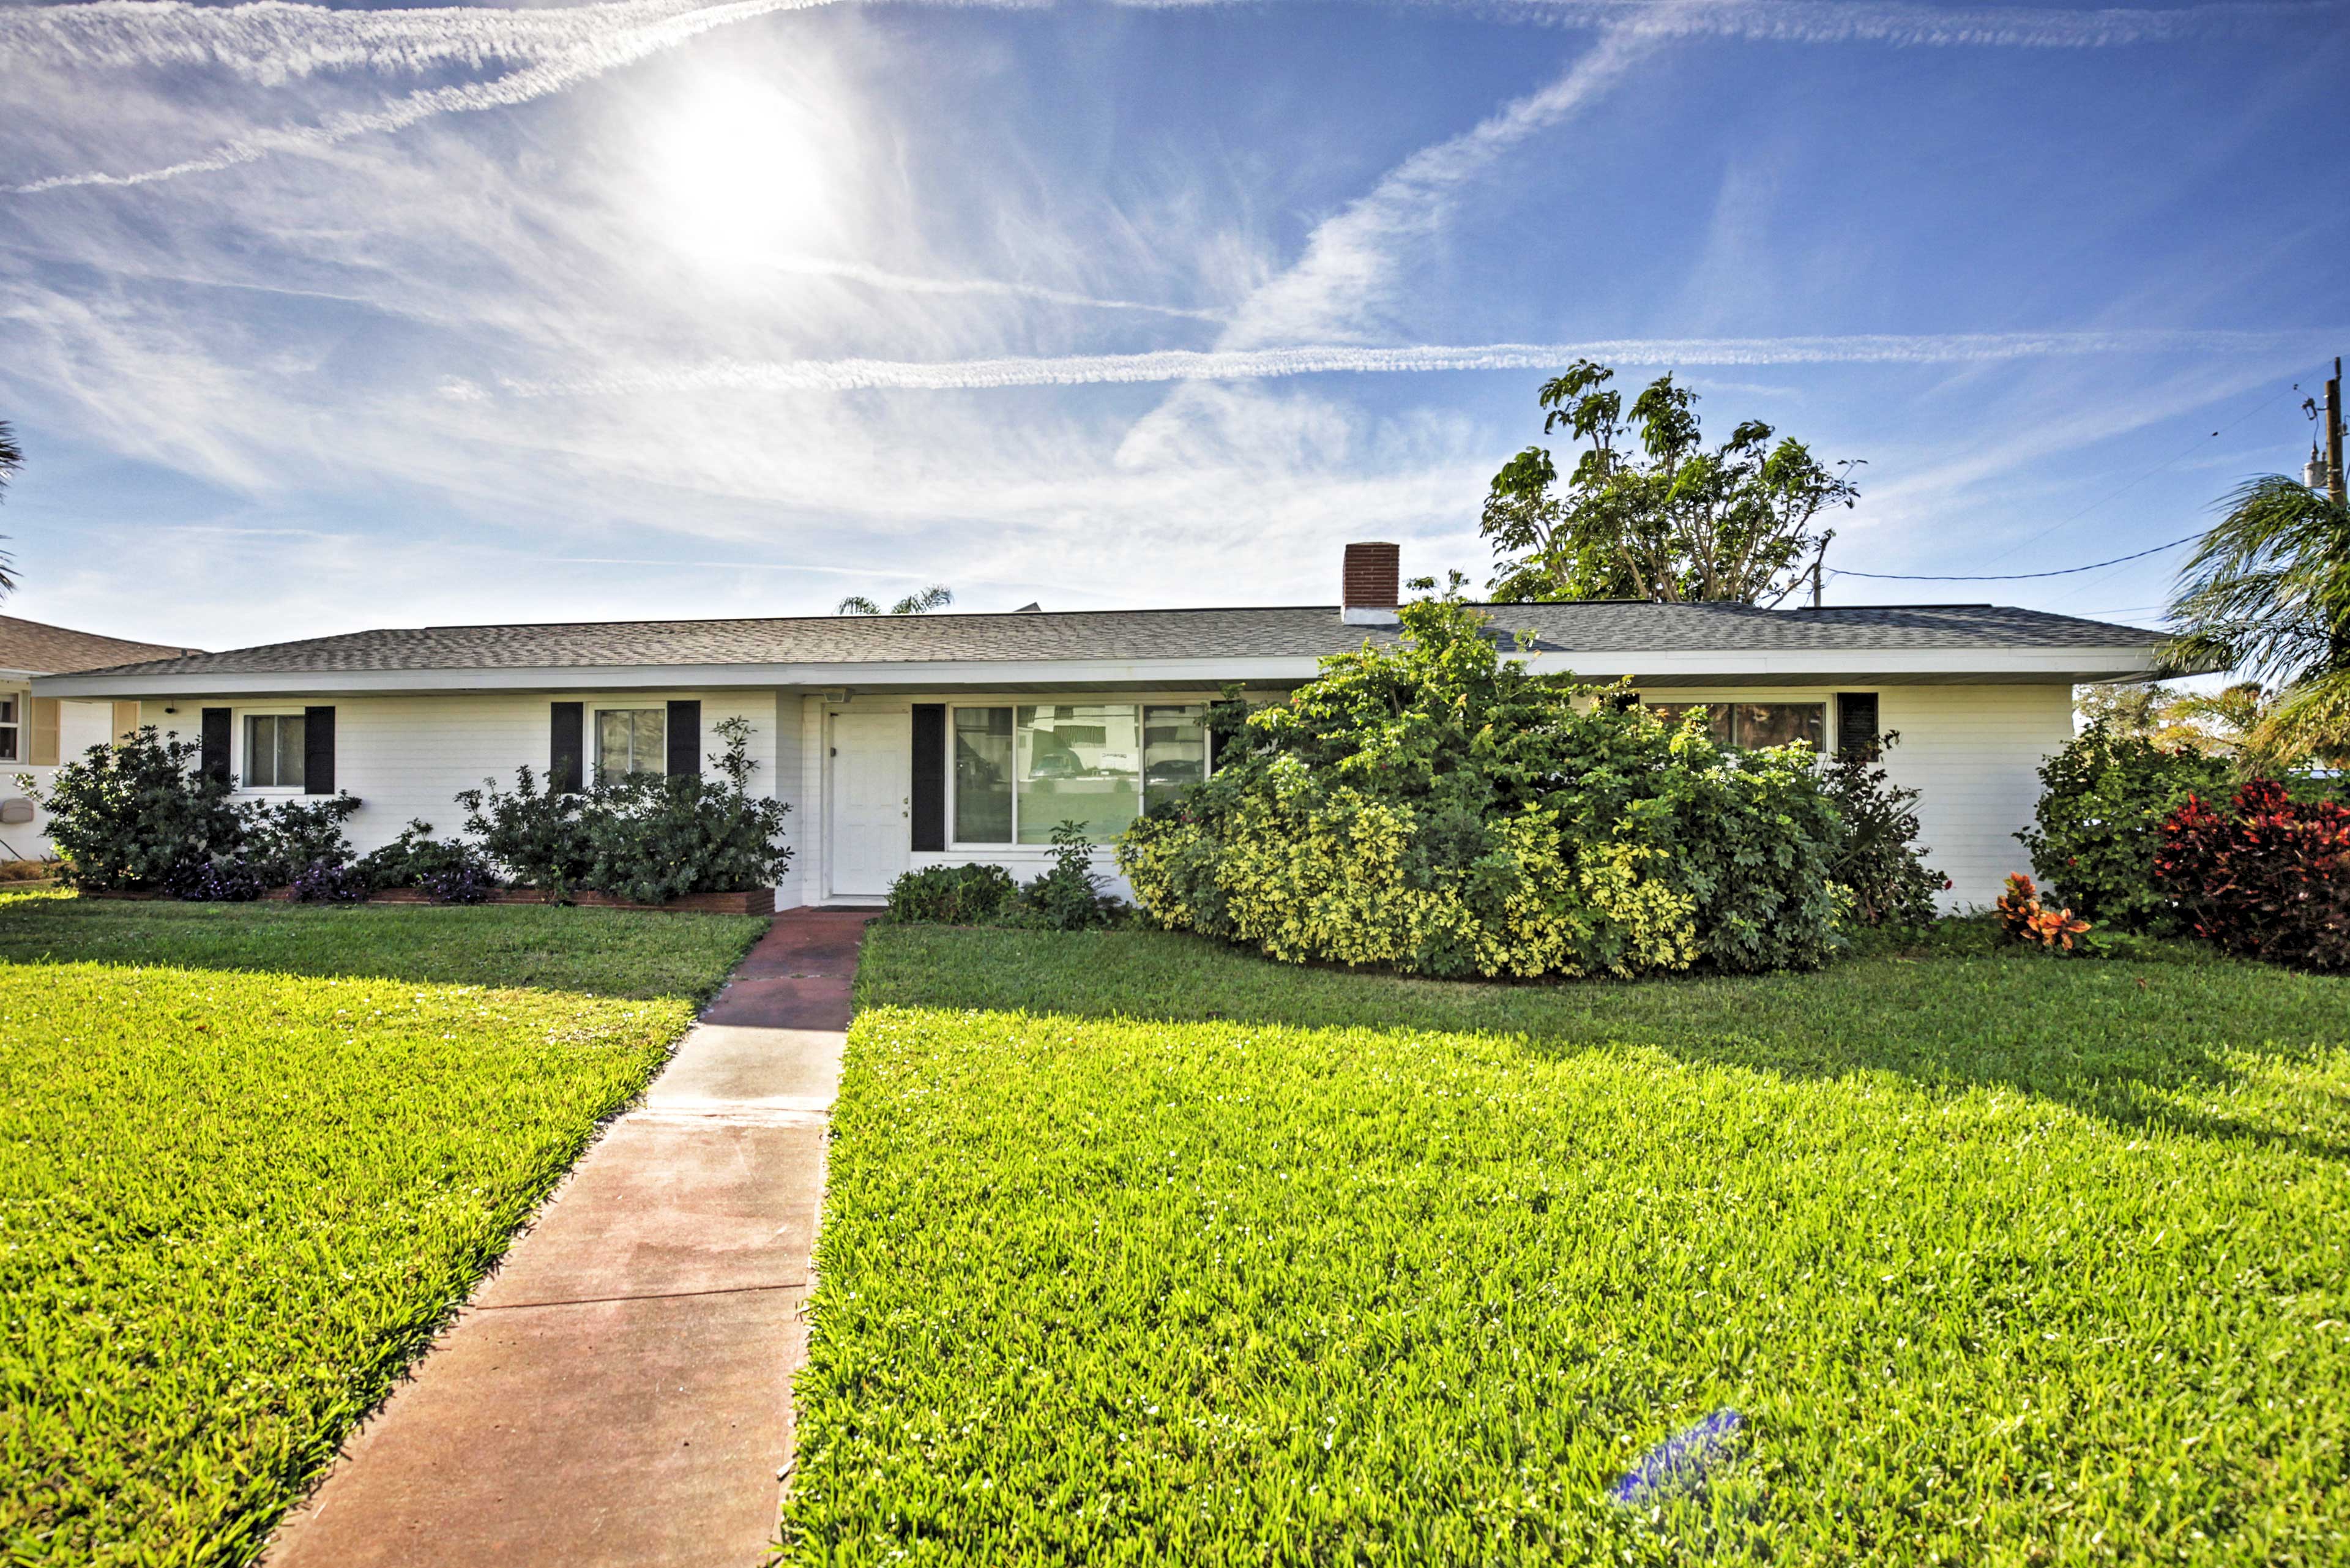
(238, 1192)
(611, 952)
(1136, 1249)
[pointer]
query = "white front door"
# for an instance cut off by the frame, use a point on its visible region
(869, 802)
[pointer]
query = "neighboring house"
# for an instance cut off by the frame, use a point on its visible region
(908, 740)
(36, 732)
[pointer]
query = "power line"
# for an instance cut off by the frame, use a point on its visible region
(2008, 576)
(2192, 448)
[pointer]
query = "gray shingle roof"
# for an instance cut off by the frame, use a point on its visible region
(47, 649)
(1304, 631)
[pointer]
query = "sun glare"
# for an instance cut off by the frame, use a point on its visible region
(741, 174)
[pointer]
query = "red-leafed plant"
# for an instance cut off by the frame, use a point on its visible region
(2022, 918)
(2268, 877)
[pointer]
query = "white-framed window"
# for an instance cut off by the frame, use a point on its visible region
(272, 757)
(1753, 724)
(1023, 769)
(11, 726)
(631, 741)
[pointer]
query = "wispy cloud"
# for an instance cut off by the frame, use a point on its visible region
(570, 66)
(903, 283)
(557, 47)
(1259, 364)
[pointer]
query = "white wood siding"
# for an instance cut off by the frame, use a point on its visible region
(407, 757)
(1972, 750)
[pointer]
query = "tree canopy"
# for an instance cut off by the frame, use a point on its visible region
(2267, 592)
(1649, 511)
(936, 597)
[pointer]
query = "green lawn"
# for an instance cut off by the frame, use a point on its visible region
(250, 1155)
(1137, 1249)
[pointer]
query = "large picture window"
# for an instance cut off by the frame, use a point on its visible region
(1174, 751)
(1079, 762)
(982, 776)
(631, 741)
(273, 751)
(1020, 772)
(1753, 724)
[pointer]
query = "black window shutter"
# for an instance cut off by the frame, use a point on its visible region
(684, 737)
(318, 750)
(1215, 749)
(929, 782)
(1856, 730)
(215, 757)
(564, 753)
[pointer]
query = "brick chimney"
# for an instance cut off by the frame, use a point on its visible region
(1373, 584)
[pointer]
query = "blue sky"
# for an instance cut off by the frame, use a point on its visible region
(313, 319)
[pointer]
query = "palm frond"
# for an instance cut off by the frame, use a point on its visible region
(2311, 723)
(857, 604)
(2268, 588)
(936, 597)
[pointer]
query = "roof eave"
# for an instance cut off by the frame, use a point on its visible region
(1744, 665)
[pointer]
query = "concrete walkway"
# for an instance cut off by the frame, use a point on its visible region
(618, 1391)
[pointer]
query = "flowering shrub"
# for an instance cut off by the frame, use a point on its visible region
(324, 882)
(2022, 918)
(139, 815)
(226, 881)
(434, 865)
(533, 835)
(2267, 877)
(281, 840)
(645, 837)
(2099, 824)
(1437, 809)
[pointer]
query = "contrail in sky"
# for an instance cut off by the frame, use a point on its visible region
(557, 47)
(903, 283)
(274, 40)
(1255, 364)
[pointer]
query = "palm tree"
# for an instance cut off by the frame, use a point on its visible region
(12, 458)
(935, 597)
(2268, 593)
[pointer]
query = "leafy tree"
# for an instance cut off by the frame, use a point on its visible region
(936, 597)
(1648, 511)
(2268, 593)
(2214, 723)
(12, 458)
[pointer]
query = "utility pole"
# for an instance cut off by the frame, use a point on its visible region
(2334, 486)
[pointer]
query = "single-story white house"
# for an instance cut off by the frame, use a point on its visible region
(35, 732)
(910, 741)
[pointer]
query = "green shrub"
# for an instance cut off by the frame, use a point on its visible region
(645, 837)
(416, 859)
(952, 895)
(1436, 809)
(2099, 824)
(139, 815)
(282, 840)
(2268, 877)
(1878, 856)
(652, 837)
(1067, 896)
(533, 835)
